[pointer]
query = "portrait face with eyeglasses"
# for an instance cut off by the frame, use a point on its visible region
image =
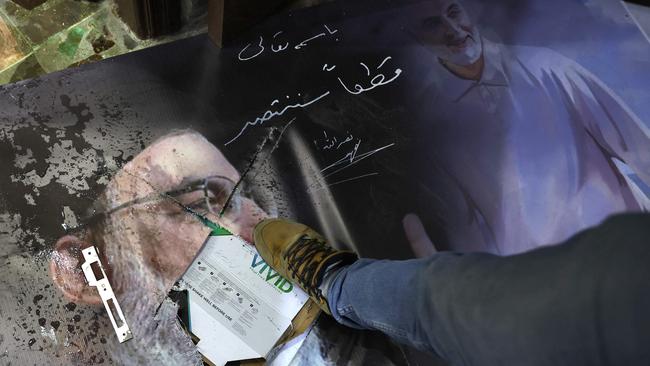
(147, 225)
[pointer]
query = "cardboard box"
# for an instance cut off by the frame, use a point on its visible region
(239, 307)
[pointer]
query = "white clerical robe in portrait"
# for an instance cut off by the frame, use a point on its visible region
(527, 155)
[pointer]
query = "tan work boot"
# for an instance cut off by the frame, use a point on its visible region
(298, 253)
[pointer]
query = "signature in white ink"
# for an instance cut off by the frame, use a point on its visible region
(377, 80)
(332, 142)
(270, 114)
(351, 158)
(247, 53)
(348, 180)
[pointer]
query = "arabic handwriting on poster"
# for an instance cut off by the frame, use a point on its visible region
(253, 55)
(332, 142)
(376, 74)
(304, 43)
(279, 48)
(270, 114)
(377, 80)
(248, 53)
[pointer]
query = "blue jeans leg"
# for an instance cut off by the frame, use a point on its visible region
(582, 302)
(381, 295)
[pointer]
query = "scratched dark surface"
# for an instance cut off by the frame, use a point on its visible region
(62, 132)
(192, 84)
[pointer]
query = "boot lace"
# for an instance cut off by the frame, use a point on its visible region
(305, 251)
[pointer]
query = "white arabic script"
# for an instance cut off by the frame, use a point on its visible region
(275, 48)
(377, 80)
(270, 114)
(242, 58)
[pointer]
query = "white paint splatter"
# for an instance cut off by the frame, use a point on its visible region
(30, 199)
(22, 161)
(66, 166)
(69, 217)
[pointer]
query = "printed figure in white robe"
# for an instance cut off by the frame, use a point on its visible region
(525, 145)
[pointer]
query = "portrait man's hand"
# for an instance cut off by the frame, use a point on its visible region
(420, 242)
